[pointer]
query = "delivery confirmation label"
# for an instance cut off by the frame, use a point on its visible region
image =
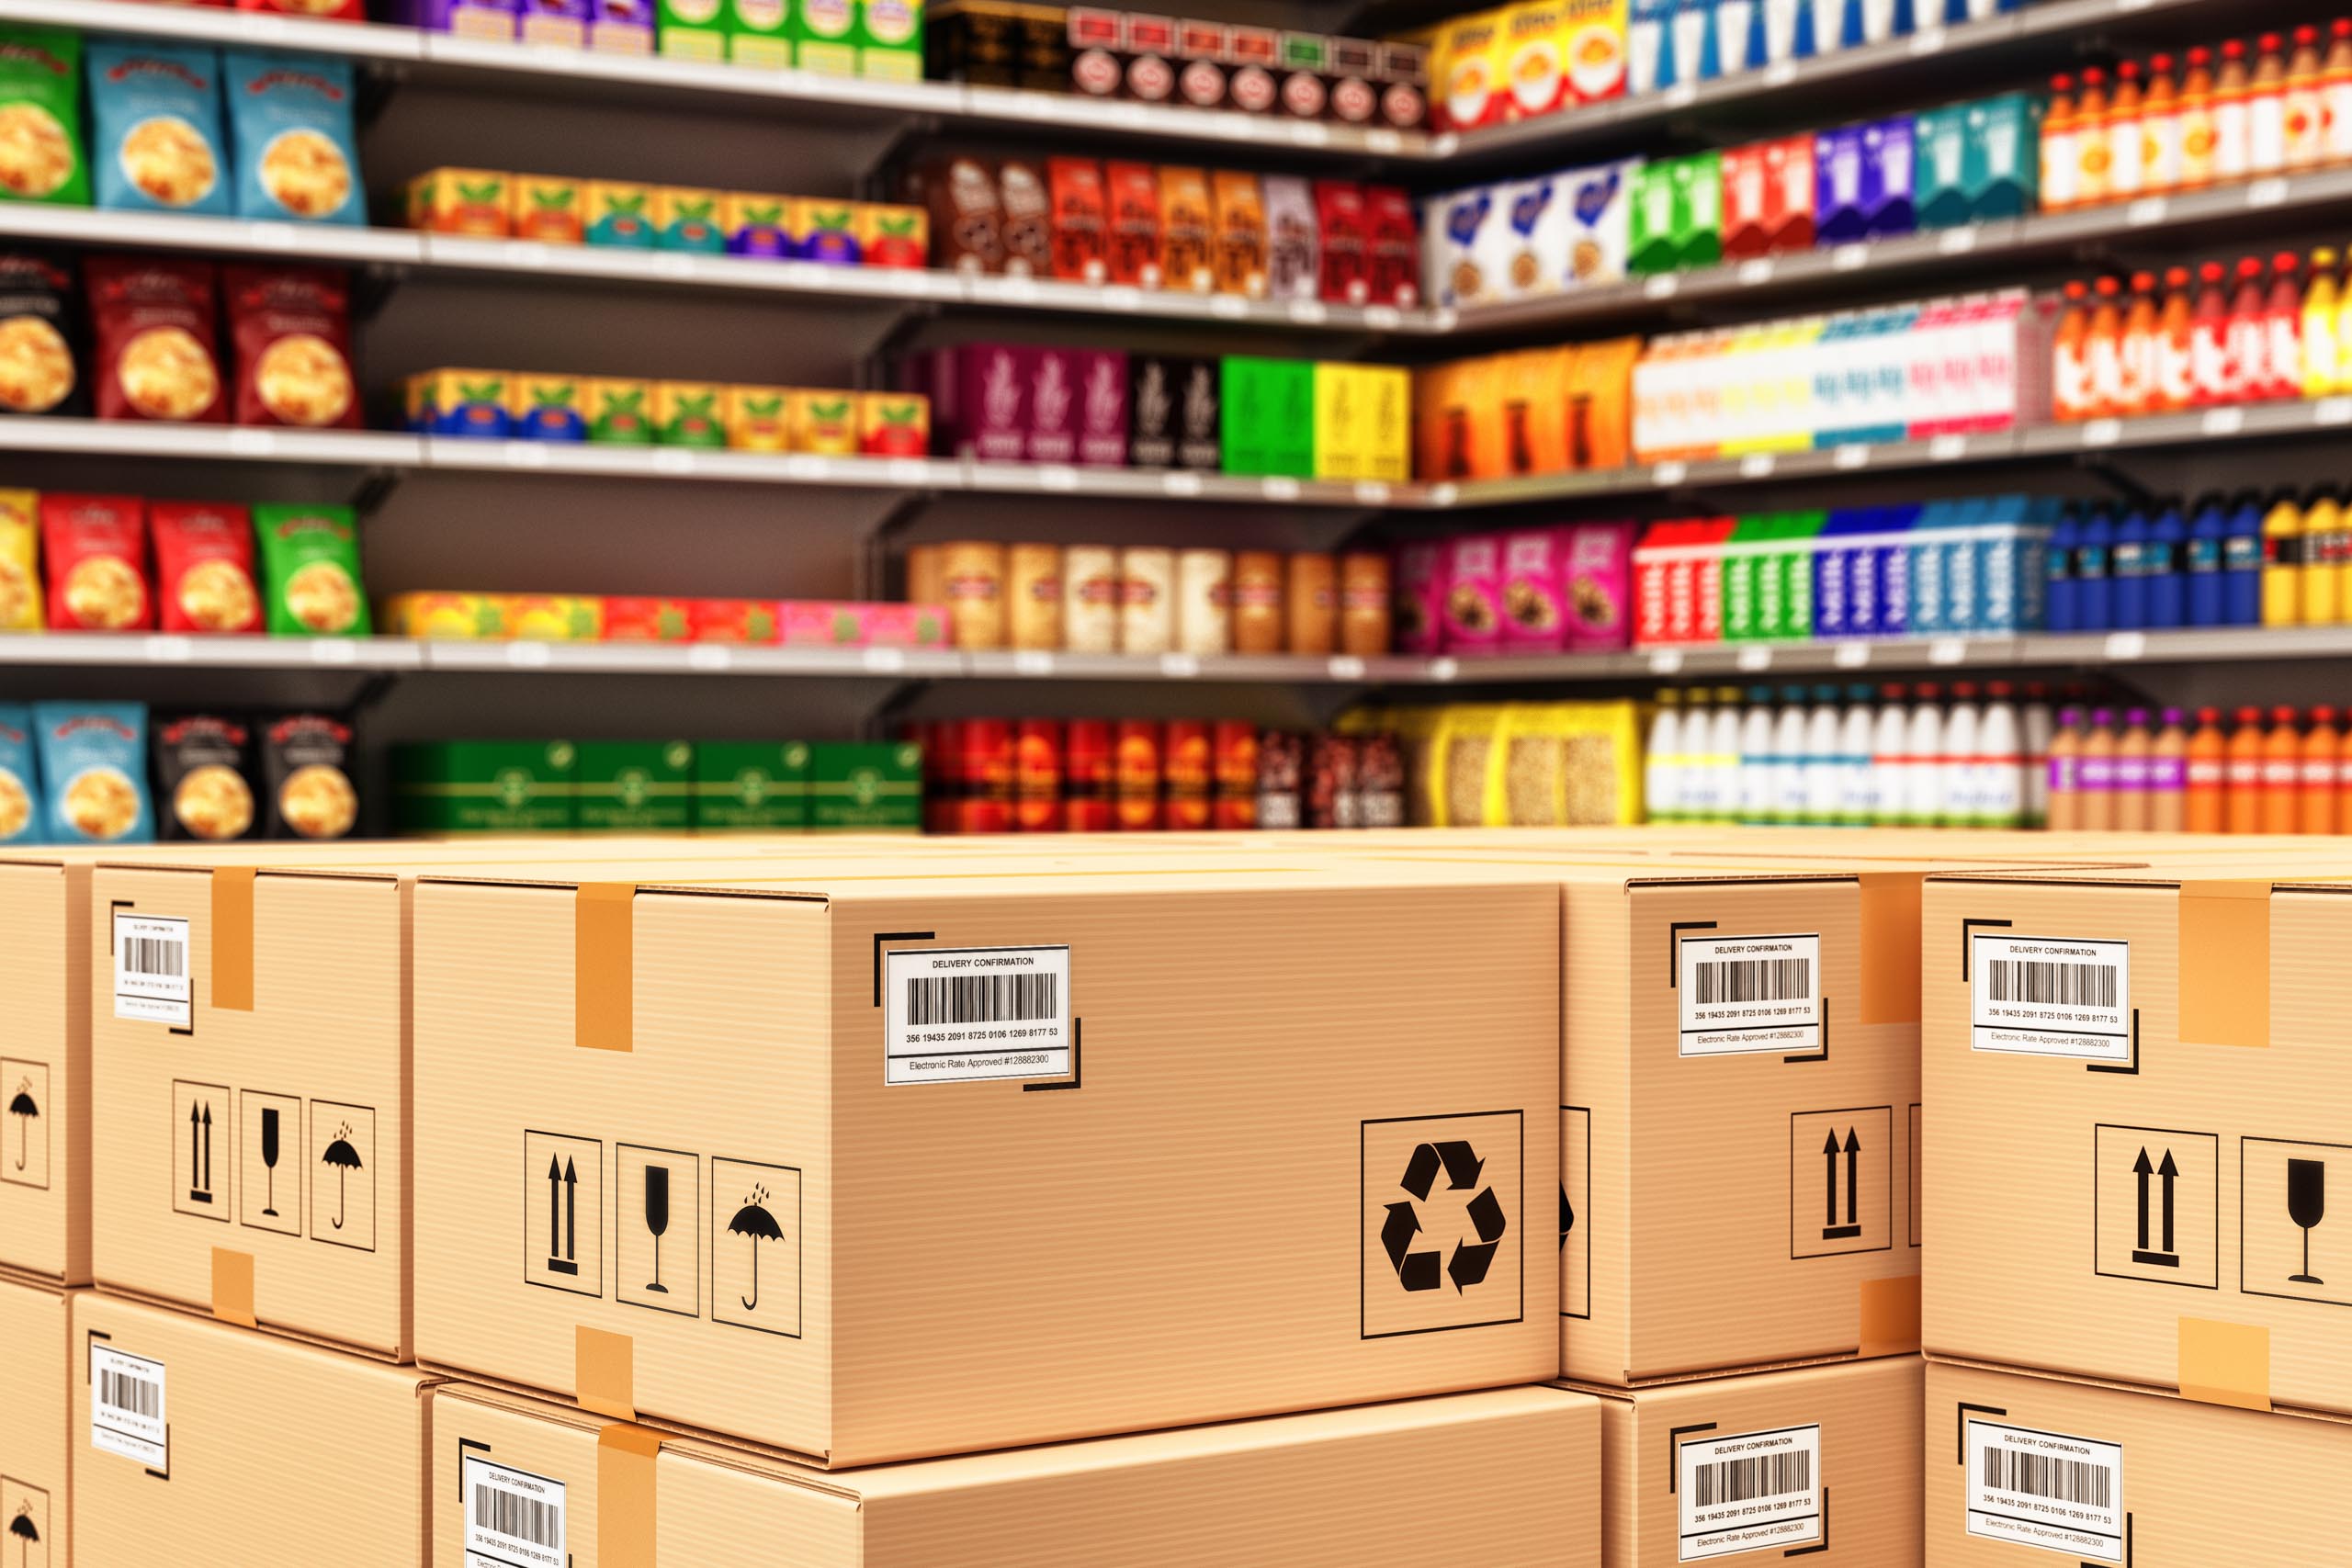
(2047, 996)
(127, 1411)
(514, 1519)
(151, 970)
(2060, 1493)
(1741, 994)
(1744, 1493)
(969, 1014)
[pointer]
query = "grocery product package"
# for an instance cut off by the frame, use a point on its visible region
(310, 558)
(291, 328)
(41, 151)
(549, 209)
(291, 125)
(156, 138)
(43, 342)
(94, 772)
(157, 354)
(1522, 764)
(204, 567)
(478, 202)
(20, 814)
(94, 549)
(307, 771)
(204, 777)
(21, 609)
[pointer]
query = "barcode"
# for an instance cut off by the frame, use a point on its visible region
(2045, 1475)
(155, 955)
(1759, 1476)
(1754, 980)
(515, 1517)
(2051, 983)
(982, 998)
(132, 1396)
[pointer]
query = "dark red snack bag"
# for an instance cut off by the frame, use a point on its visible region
(291, 326)
(1082, 219)
(1395, 262)
(204, 567)
(158, 354)
(1346, 243)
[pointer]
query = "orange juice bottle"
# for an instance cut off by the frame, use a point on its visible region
(2095, 775)
(2208, 774)
(2266, 109)
(2335, 94)
(2160, 128)
(2282, 774)
(2230, 88)
(2175, 343)
(2064, 814)
(2322, 754)
(2103, 350)
(2196, 120)
(2125, 157)
(2136, 361)
(2304, 109)
(2070, 389)
(2322, 350)
(2058, 154)
(2242, 774)
(2131, 750)
(2091, 184)
(2168, 776)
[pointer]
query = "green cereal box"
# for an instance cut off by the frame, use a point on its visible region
(889, 40)
(1652, 245)
(689, 413)
(751, 786)
(1269, 416)
(620, 414)
(483, 786)
(692, 29)
(824, 37)
(685, 219)
(759, 33)
(1698, 210)
(547, 208)
(865, 788)
(633, 786)
(620, 214)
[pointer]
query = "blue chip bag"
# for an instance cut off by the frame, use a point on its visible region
(19, 780)
(94, 762)
(156, 116)
(290, 120)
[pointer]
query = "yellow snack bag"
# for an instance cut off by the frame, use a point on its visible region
(20, 601)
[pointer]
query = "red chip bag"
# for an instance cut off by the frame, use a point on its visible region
(291, 326)
(157, 355)
(96, 549)
(204, 567)
(316, 10)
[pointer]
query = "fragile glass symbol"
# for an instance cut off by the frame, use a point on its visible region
(345, 1159)
(2307, 1206)
(657, 1217)
(269, 1159)
(754, 1221)
(24, 1109)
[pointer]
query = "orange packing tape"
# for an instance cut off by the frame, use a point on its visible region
(604, 1372)
(2225, 963)
(604, 960)
(233, 1287)
(625, 1536)
(2225, 1363)
(232, 938)
(1890, 946)
(1890, 1310)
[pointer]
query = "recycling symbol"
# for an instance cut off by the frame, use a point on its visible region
(1471, 1260)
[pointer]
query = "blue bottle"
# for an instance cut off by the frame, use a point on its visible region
(2093, 566)
(2242, 562)
(2207, 533)
(2062, 607)
(2127, 573)
(2168, 550)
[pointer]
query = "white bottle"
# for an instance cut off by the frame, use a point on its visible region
(1890, 759)
(2001, 766)
(1855, 796)
(1959, 803)
(1723, 755)
(2034, 719)
(1923, 751)
(1662, 761)
(1791, 727)
(1693, 777)
(1756, 732)
(1825, 760)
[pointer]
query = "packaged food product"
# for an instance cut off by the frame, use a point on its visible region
(41, 343)
(94, 772)
(890, 39)
(621, 214)
(476, 202)
(1599, 584)
(156, 140)
(825, 35)
(757, 225)
(1234, 774)
(553, 617)
(1535, 79)
(648, 620)
(20, 594)
(967, 214)
(759, 33)
(1365, 599)
(1393, 263)
(292, 124)
(1187, 231)
(732, 620)
(445, 617)
(686, 413)
(1028, 219)
(686, 218)
(156, 356)
(1471, 87)
(307, 777)
(618, 413)
(1282, 770)
(694, 29)
(1239, 255)
(1469, 245)
(825, 422)
(1101, 417)
(892, 235)
(1594, 204)
(1253, 55)
(893, 424)
(1091, 599)
(1355, 81)
(757, 419)
(1593, 51)
(1033, 595)
(204, 566)
(548, 209)
(1403, 86)
(1652, 243)
(1332, 790)
(1052, 402)
(559, 24)
(1135, 776)
(1311, 603)
(20, 809)
(974, 573)
(1187, 772)
(1343, 243)
(1294, 265)
(204, 774)
(310, 563)
(1147, 600)
(1418, 620)
(547, 408)
(1135, 246)
(1305, 75)
(826, 232)
(469, 403)
(621, 27)
(1257, 594)
(42, 157)
(292, 330)
(95, 550)
(1599, 405)
(1081, 214)
(1474, 594)
(1150, 49)
(1533, 617)
(1205, 602)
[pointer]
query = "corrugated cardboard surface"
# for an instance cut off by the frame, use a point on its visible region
(1506, 1479)
(1868, 1416)
(1190, 1230)
(276, 1451)
(2199, 1484)
(2035, 1195)
(36, 1460)
(45, 1056)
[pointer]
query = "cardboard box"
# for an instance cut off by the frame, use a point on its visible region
(2105, 1474)
(1816, 1463)
(2157, 1057)
(1326, 1487)
(570, 1038)
(36, 1449)
(192, 1441)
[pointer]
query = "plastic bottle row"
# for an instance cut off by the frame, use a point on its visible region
(2274, 771)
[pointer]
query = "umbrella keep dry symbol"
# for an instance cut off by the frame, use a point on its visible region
(756, 1234)
(754, 1221)
(345, 1159)
(22, 1108)
(25, 1532)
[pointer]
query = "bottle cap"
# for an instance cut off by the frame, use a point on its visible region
(1963, 691)
(2282, 714)
(2249, 716)
(2094, 76)
(2250, 267)
(2234, 49)
(1892, 692)
(2142, 282)
(2209, 716)
(2070, 717)
(2323, 717)
(2341, 26)
(1858, 693)
(2269, 42)
(2102, 716)
(2324, 256)
(2171, 718)
(2135, 717)
(2160, 62)
(2077, 289)
(2108, 287)
(2210, 271)
(1928, 692)
(2199, 55)
(2306, 34)
(2175, 277)
(2062, 83)
(2283, 261)
(1999, 691)
(2127, 72)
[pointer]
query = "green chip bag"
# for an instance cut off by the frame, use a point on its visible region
(309, 560)
(42, 157)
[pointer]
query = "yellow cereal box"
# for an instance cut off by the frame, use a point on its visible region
(825, 421)
(620, 214)
(545, 208)
(553, 617)
(1388, 422)
(687, 219)
(893, 425)
(893, 236)
(1471, 52)
(460, 201)
(759, 419)
(1339, 421)
(1592, 50)
(689, 413)
(547, 408)
(620, 412)
(446, 617)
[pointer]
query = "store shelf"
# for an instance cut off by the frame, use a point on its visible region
(166, 652)
(211, 442)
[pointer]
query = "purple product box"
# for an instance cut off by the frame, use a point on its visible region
(1474, 594)
(1418, 616)
(469, 19)
(1102, 407)
(1888, 207)
(562, 23)
(1533, 599)
(621, 27)
(1053, 405)
(979, 400)
(1597, 586)
(1842, 201)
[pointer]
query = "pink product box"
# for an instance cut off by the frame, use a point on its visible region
(1534, 587)
(1597, 586)
(1102, 407)
(824, 622)
(1419, 614)
(980, 400)
(1472, 614)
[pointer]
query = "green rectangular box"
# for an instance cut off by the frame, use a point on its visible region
(1698, 210)
(1244, 412)
(1941, 180)
(824, 37)
(1268, 416)
(889, 40)
(691, 30)
(750, 786)
(759, 33)
(483, 786)
(634, 787)
(1652, 245)
(865, 788)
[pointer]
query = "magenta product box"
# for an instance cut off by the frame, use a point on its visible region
(1419, 614)
(1534, 584)
(1102, 407)
(1474, 594)
(1053, 405)
(980, 400)
(1597, 586)
(472, 18)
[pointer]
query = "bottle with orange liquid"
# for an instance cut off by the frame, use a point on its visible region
(2249, 335)
(2322, 344)
(2206, 787)
(2196, 120)
(2125, 156)
(2160, 128)
(2094, 774)
(2070, 377)
(2315, 792)
(2283, 314)
(2136, 354)
(2282, 774)
(2304, 105)
(2168, 776)
(2209, 337)
(2130, 776)
(2103, 350)
(2335, 94)
(2063, 812)
(2091, 184)
(2242, 773)
(2266, 109)
(2230, 85)
(2176, 336)
(2059, 164)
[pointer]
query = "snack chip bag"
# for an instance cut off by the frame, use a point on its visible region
(306, 771)
(42, 157)
(94, 763)
(292, 330)
(96, 549)
(297, 150)
(155, 120)
(157, 356)
(20, 779)
(310, 559)
(204, 566)
(20, 596)
(41, 348)
(204, 769)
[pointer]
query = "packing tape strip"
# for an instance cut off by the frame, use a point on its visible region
(625, 1534)
(232, 938)
(233, 1287)
(1890, 1315)
(1890, 946)
(604, 1372)
(604, 967)
(2225, 1363)
(2225, 962)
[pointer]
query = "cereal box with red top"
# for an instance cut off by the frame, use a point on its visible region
(1534, 35)
(1474, 594)
(1252, 55)
(732, 620)
(204, 566)
(1471, 91)
(1096, 37)
(1535, 619)
(1419, 614)
(1395, 262)
(95, 550)
(292, 330)
(648, 620)
(1134, 248)
(1150, 58)
(1592, 51)
(1203, 47)
(1082, 213)
(157, 357)
(1344, 242)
